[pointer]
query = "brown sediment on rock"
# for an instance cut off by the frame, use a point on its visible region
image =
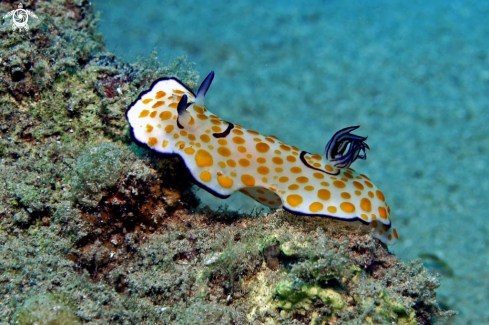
(111, 232)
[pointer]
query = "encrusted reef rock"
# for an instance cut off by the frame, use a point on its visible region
(96, 230)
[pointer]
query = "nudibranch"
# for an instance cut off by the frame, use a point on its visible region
(224, 157)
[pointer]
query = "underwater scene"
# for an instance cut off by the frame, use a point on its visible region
(244, 162)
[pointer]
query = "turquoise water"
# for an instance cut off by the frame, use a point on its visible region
(414, 75)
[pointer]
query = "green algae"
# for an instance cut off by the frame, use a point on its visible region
(294, 295)
(49, 309)
(100, 166)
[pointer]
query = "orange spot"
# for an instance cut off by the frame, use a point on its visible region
(144, 113)
(382, 213)
(160, 94)
(283, 179)
(147, 100)
(347, 207)
(198, 109)
(260, 191)
(216, 129)
(345, 195)
(192, 137)
(215, 122)
(169, 128)
(263, 170)
(364, 216)
(324, 183)
(358, 185)
(309, 188)
(238, 140)
(248, 180)
(222, 142)
(339, 184)
(293, 187)
(368, 184)
(252, 132)
(261, 160)
(302, 179)
(235, 131)
(176, 136)
(374, 224)
(231, 163)
(244, 162)
(225, 181)
(270, 140)
(285, 147)
(394, 231)
(328, 168)
(332, 209)
(205, 138)
(348, 175)
(291, 159)
(380, 195)
(205, 176)
(366, 205)
(371, 194)
(165, 143)
(178, 91)
(242, 149)
(203, 158)
(234, 174)
(153, 114)
(202, 117)
(278, 160)
(389, 237)
(317, 157)
(294, 200)
(279, 169)
(173, 105)
(315, 207)
(223, 151)
(296, 170)
(152, 141)
(165, 115)
(158, 104)
(221, 164)
(149, 128)
(262, 147)
(324, 194)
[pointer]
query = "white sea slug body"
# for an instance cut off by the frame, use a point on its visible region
(224, 157)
